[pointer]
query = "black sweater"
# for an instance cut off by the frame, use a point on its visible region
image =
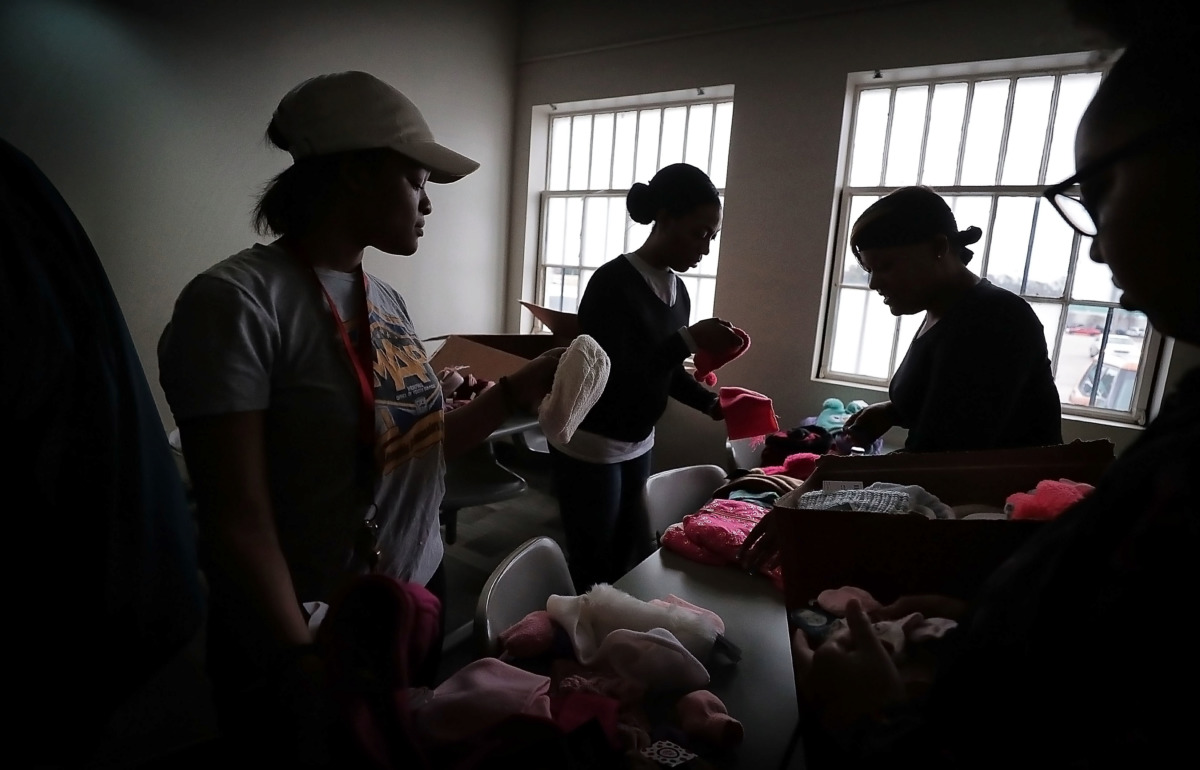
(640, 334)
(980, 378)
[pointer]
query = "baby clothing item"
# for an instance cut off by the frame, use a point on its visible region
(782, 444)
(451, 379)
(834, 600)
(529, 637)
(579, 382)
(702, 715)
(459, 386)
(715, 533)
(880, 497)
(671, 600)
(479, 696)
(747, 414)
(654, 658)
(799, 466)
(869, 500)
(834, 413)
(706, 363)
(1048, 499)
(897, 635)
(589, 618)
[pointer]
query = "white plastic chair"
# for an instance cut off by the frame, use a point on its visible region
(672, 494)
(746, 452)
(521, 584)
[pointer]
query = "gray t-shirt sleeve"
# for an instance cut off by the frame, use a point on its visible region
(216, 354)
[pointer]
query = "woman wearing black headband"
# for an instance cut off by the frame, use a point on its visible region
(977, 375)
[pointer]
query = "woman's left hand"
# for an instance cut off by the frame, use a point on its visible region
(533, 381)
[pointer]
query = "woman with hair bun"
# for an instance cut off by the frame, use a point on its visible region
(977, 375)
(1044, 668)
(637, 308)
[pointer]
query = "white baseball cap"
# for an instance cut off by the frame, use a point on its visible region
(346, 111)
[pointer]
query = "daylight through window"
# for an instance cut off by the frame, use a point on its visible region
(989, 145)
(594, 158)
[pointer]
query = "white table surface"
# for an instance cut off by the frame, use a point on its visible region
(760, 690)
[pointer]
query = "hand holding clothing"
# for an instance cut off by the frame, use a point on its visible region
(532, 382)
(715, 335)
(849, 677)
(869, 424)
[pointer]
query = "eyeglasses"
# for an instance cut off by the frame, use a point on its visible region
(1068, 201)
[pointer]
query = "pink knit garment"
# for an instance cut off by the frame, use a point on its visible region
(707, 363)
(702, 715)
(1047, 500)
(715, 533)
(747, 414)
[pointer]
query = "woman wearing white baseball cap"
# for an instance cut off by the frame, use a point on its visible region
(311, 421)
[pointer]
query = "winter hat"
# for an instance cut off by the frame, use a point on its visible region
(1047, 500)
(579, 382)
(345, 111)
(747, 414)
(707, 363)
(799, 466)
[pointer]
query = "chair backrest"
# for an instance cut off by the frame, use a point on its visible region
(747, 452)
(521, 584)
(672, 494)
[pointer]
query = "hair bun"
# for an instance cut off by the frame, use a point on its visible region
(276, 136)
(640, 203)
(971, 235)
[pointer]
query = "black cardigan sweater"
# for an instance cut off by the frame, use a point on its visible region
(640, 334)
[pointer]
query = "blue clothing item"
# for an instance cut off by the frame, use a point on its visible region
(979, 378)
(112, 588)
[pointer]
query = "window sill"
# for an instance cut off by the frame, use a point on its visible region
(1080, 418)
(1090, 420)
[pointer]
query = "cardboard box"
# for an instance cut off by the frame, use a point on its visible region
(491, 356)
(893, 555)
(564, 326)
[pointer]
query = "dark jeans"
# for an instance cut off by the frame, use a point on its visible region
(602, 515)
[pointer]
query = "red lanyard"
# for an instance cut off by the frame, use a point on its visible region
(362, 359)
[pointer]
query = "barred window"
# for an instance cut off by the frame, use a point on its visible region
(989, 144)
(594, 157)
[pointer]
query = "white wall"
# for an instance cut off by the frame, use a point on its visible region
(789, 69)
(149, 118)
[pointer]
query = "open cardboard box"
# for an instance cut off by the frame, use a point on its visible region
(892, 555)
(491, 356)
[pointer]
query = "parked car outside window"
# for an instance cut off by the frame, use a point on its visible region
(1113, 389)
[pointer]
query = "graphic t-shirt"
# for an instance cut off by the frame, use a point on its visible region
(256, 333)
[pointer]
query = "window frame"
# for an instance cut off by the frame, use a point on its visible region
(1151, 356)
(542, 163)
